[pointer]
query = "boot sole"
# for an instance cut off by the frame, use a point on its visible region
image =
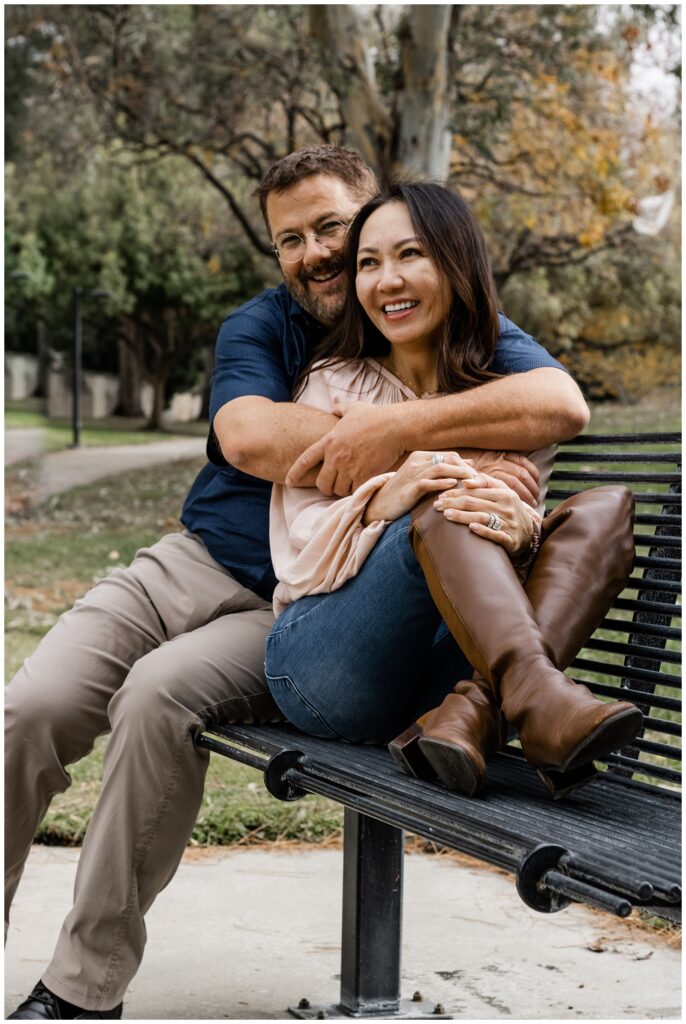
(453, 766)
(577, 769)
(612, 734)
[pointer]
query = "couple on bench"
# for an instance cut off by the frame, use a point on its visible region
(420, 598)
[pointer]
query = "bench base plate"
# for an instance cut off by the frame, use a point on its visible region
(408, 1009)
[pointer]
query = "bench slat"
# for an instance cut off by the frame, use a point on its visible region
(663, 749)
(655, 770)
(612, 647)
(657, 438)
(665, 586)
(651, 518)
(628, 672)
(642, 497)
(655, 540)
(652, 700)
(615, 476)
(662, 725)
(632, 605)
(644, 458)
(649, 629)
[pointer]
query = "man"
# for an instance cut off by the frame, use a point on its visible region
(160, 650)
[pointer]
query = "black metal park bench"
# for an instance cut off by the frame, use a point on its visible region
(614, 845)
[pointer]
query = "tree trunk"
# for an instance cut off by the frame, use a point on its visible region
(424, 133)
(207, 383)
(43, 359)
(155, 419)
(349, 70)
(129, 375)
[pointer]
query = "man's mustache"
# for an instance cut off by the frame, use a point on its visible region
(330, 268)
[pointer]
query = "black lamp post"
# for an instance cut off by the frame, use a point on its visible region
(78, 357)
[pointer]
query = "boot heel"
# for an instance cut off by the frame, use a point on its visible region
(406, 752)
(560, 784)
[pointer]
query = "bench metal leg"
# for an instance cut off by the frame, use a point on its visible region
(372, 926)
(372, 915)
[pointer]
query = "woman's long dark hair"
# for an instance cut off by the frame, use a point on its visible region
(448, 231)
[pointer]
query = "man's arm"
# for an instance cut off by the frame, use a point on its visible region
(264, 438)
(261, 433)
(523, 411)
(255, 426)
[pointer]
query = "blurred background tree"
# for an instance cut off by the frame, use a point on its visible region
(167, 116)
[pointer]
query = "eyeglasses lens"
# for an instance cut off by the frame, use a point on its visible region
(292, 248)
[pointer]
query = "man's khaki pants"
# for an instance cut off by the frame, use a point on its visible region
(153, 653)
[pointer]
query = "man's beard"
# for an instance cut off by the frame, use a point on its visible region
(327, 309)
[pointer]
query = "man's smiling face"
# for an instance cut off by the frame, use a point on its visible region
(316, 280)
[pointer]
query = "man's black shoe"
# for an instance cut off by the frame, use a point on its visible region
(43, 1004)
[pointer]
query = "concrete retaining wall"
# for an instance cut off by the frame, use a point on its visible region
(99, 395)
(21, 376)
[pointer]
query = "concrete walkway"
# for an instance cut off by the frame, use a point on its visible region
(74, 467)
(24, 443)
(241, 935)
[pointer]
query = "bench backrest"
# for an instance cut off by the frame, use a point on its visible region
(635, 653)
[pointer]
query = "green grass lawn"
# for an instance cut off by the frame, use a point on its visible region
(97, 433)
(55, 553)
(660, 412)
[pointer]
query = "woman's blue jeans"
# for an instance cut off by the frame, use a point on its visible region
(363, 662)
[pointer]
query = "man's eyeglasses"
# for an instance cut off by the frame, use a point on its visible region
(291, 248)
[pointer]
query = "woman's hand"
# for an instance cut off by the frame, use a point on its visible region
(482, 496)
(419, 475)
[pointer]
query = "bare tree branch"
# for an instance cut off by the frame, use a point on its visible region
(261, 246)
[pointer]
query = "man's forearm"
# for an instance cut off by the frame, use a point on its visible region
(521, 412)
(264, 438)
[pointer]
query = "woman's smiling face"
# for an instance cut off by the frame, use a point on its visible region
(398, 285)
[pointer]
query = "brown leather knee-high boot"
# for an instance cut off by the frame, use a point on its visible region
(584, 561)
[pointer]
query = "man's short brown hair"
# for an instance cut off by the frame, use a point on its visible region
(335, 161)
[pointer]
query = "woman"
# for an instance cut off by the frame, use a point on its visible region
(359, 649)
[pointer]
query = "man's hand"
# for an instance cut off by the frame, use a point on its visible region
(512, 468)
(366, 441)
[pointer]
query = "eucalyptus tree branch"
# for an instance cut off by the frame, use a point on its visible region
(183, 150)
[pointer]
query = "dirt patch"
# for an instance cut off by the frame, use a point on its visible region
(21, 494)
(42, 599)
